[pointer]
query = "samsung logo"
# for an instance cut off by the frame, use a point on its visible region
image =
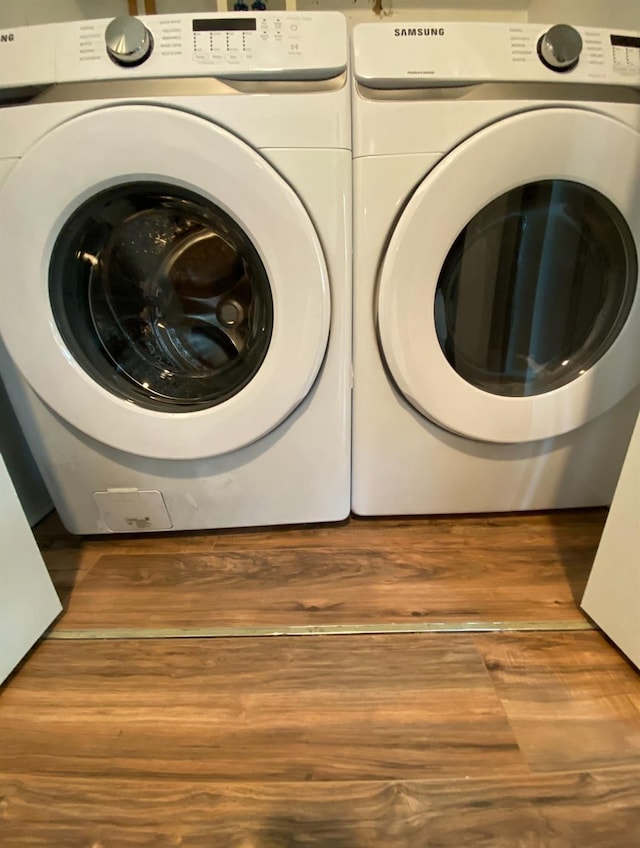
(6, 37)
(414, 31)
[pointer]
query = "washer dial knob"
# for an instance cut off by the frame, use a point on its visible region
(560, 48)
(128, 41)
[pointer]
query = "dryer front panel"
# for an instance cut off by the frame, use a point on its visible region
(507, 304)
(170, 297)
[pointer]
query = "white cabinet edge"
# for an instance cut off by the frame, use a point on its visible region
(28, 601)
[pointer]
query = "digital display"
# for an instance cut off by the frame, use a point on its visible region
(625, 41)
(244, 24)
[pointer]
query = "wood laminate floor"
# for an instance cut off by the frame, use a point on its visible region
(522, 730)
(375, 572)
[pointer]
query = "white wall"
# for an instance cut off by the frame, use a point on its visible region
(623, 14)
(22, 12)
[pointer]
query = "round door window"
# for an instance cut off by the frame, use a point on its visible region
(161, 297)
(536, 288)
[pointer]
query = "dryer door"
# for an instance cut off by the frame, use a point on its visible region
(164, 290)
(507, 305)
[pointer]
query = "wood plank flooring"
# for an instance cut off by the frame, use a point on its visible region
(477, 569)
(597, 810)
(411, 740)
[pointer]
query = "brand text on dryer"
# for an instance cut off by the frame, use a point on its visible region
(413, 31)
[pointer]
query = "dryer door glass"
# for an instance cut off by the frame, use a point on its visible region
(536, 288)
(161, 297)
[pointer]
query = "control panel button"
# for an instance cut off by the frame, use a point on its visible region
(560, 48)
(128, 41)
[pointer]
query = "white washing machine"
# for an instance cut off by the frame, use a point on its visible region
(175, 303)
(496, 242)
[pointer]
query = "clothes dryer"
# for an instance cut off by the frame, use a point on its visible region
(496, 241)
(175, 267)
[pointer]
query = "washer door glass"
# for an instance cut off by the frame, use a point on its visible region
(535, 288)
(161, 297)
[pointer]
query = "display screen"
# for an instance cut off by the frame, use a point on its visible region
(224, 24)
(625, 41)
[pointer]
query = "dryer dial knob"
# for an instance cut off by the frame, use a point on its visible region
(128, 41)
(560, 48)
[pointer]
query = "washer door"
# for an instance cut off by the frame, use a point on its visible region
(507, 305)
(164, 290)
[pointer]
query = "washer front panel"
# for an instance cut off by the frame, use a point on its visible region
(549, 144)
(125, 145)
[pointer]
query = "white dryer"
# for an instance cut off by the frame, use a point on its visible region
(496, 242)
(175, 303)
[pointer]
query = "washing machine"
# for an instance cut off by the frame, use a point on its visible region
(175, 301)
(496, 242)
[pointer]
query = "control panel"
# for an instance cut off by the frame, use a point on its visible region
(238, 40)
(401, 55)
(26, 57)
(243, 45)
(251, 46)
